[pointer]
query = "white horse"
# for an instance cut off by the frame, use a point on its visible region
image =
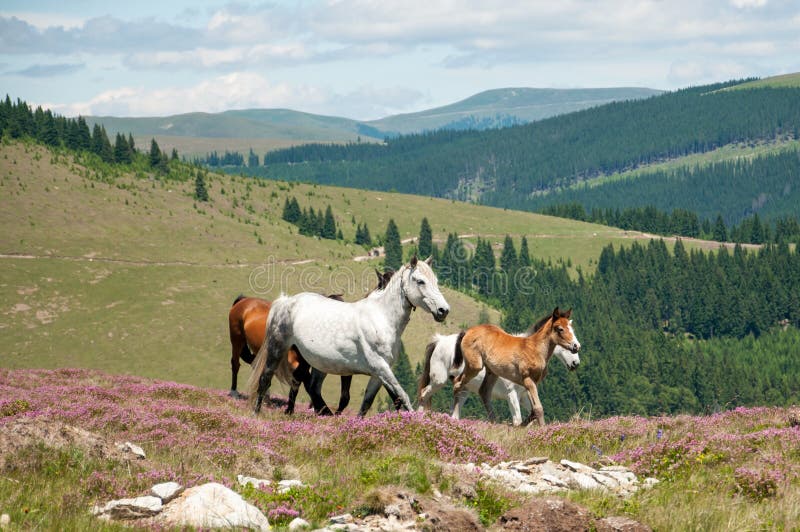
(359, 338)
(441, 365)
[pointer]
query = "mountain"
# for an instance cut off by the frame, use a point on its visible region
(518, 167)
(199, 133)
(506, 107)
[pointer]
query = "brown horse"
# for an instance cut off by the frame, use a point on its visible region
(247, 321)
(519, 359)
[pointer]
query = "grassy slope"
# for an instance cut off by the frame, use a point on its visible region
(784, 80)
(128, 276)
(730, 152)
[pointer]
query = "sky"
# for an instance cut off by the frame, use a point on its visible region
(366, 59)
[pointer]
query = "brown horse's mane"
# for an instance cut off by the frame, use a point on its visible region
(539, 324)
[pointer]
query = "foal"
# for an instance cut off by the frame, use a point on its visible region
(521, 360)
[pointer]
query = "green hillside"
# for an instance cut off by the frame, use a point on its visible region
(127, 273)
(785, 80)
(514, 167)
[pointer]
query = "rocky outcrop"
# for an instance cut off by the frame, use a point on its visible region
(210, 505)
(543, 476)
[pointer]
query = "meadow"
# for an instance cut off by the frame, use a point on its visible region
(735, 470)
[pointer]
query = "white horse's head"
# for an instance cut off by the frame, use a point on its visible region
(421, 288)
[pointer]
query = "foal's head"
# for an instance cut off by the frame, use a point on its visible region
(561, 331)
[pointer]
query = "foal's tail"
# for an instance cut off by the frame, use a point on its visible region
(238, 298)
(458, 359)
(425, 377)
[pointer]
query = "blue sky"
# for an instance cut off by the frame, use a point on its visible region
(367, 59)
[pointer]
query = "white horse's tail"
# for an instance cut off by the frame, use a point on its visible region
(278, 314)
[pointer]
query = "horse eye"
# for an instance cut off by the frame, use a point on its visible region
(420, 282)
(560, 329)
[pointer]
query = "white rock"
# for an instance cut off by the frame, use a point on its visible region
(649, 482)
(5, 521)
(299, 524)
(166, 491)
(605, 480)
(133, 508)
(285, 485)
(255, 482)
(135, 450)
(584, 482)
(536, 460)
(341, 519)
(577, 467)
(554, 481)
(212, 505)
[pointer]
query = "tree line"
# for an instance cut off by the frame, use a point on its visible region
(310, 222)
(681, 222)
(663, 330)
(18, 120)
(505, 167)
(767, 185)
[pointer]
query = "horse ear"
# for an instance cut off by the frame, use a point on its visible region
(429, 261)
(556, 314)
(568, 313)
(414, 260)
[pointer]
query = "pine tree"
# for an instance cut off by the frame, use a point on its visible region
(524, 255)
(392, 246)
(329, 225)
(155, 154)
(720, 233)
(425, 240)
(508, 259)
(252, 159)
(122, 153)
(131, 143)
(200, 191)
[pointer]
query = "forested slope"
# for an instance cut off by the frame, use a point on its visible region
(508, 167)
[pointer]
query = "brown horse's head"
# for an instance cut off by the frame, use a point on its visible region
(562, 332)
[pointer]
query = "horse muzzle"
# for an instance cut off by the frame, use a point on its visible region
(574, 348)
(440, 314)
(573, 366)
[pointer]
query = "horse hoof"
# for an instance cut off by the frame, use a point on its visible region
(325, 412)
(234, 394)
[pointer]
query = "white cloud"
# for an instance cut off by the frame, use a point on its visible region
(243, 90)
(742, 4)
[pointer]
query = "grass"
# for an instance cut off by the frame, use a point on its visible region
(784, 80)
(715, 471)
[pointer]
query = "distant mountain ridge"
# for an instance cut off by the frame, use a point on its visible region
(488, 109)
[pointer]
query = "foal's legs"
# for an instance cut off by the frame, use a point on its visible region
(487, 386)
(536, 405)
(458, 403)
(458, 387)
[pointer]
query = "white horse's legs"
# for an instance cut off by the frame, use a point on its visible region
(438, 378)
(513, 402)
(458, 403)
(381, 370)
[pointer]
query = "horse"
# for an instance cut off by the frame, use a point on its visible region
(362, 337)
(519, 359)
(441, 364)
(247, 323)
